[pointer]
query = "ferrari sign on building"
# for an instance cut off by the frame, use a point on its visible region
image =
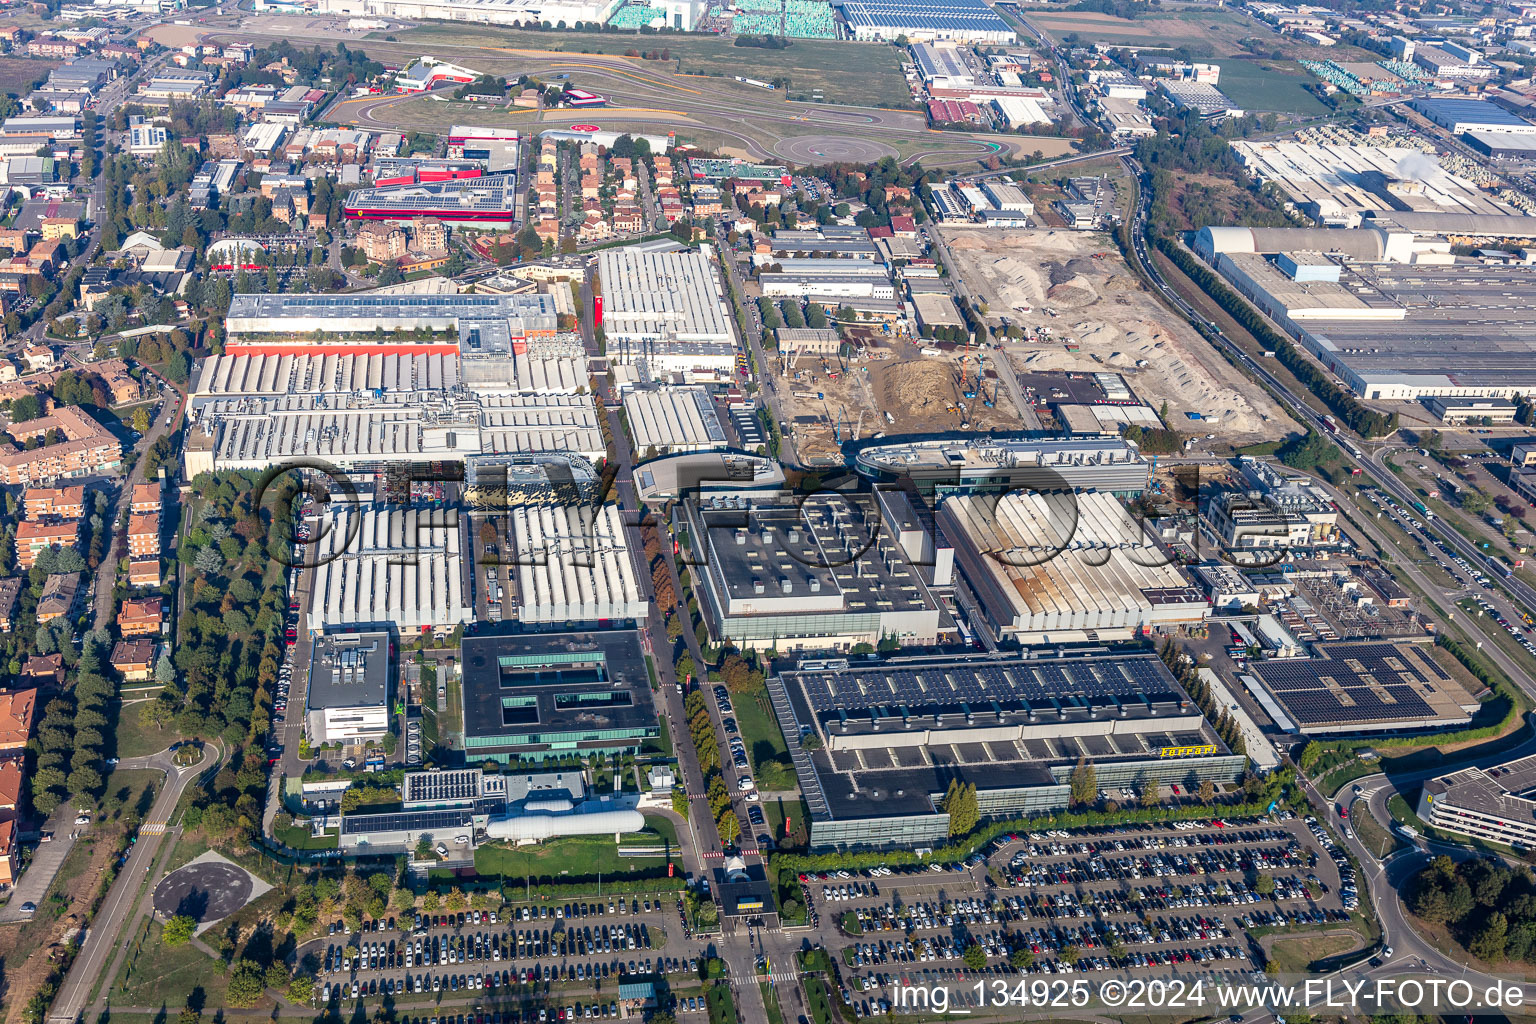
(1198, 750)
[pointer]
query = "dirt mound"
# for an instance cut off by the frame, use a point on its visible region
(1075, 291)
(923, 388)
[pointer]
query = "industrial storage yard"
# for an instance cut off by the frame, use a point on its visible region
(1020, 274)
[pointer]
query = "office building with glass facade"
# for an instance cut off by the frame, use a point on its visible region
(543, 696)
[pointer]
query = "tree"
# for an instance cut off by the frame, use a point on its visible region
(247, 981)
(1151, 792)
(975, 957)
(1021, 959)
(1264, 884)
(961, 806)
(1085, 784)
(1070, 955)
(208, 560)
(738, 676)
(730, 827)
(301, 989)
(141, 420)
(1490, 942)
(178, 930)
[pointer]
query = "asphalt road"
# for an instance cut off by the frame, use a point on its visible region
(1386, 881)
(102, 938)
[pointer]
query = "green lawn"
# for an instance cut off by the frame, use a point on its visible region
(662, 826)
(129, 793)
(722, 1008)
(759, 728)
(1296, 955)
(449, 729)
(1264, 85)
(156, 974)
(777, 808)
(557, 860)
(662, 744)
(137, 739)
(820, 998)
(771, 1003)
(192, 845)
(865, 74)
(298, 837)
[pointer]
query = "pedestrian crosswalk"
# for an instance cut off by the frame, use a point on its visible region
(780, 977)
(744, 851)
(152, 828)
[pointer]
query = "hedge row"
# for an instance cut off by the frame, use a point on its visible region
(1068, 819)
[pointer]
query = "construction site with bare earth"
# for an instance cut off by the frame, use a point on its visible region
(891, 385)
(1082, 310)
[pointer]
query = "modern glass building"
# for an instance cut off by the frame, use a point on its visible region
(549, 695)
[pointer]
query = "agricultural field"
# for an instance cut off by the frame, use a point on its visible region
(860, 74)
(1219, 30)
(20, 75)
(1262, 86)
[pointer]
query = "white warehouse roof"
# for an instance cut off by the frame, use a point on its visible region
(673, 420)
(1064, 562)
(574, 565)
(387, 565)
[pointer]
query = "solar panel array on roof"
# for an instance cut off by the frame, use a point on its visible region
(940, 19)
(409, 821)
(1364, 685)
(1013, 686)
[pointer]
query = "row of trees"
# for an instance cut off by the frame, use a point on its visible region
(1221, 719)
(71, 738)
(1357, 416)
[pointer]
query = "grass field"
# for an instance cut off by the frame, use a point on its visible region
(759, 729)
(1373, 834)
(298, 837)
(156, 974)
(1295, 956)
(1269, 85)
(129, 792)
(573, 857)
(21, 75)
(1221, 30)
(865, 74)
(135, 738)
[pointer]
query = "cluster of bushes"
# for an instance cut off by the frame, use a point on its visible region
(763, 42)
(701, 729)
(1154, 440)
(1489, 907)
(947, 332)
(726, 821)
